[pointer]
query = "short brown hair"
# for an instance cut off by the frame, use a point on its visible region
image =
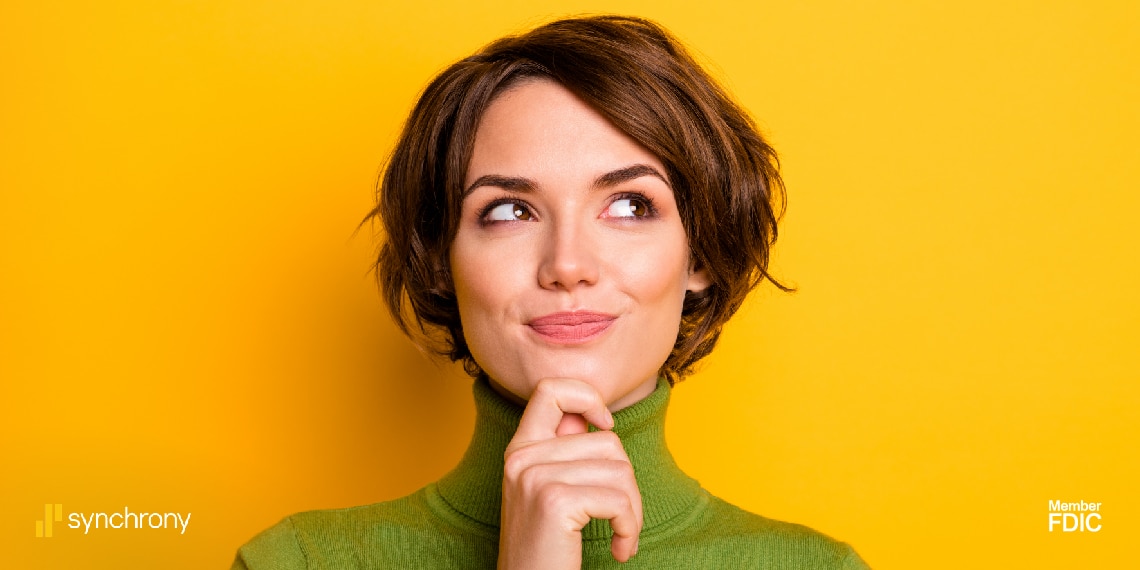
(724, 176)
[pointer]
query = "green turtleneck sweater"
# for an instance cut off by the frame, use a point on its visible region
(454, 523)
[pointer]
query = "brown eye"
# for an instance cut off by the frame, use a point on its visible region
(628, 208)
(508, 212)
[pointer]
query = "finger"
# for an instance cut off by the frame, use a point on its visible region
(554, 398)
(571, 424)
(520, 456)
(614, 505)
(599, 473)
(623, 547)
(578, 504)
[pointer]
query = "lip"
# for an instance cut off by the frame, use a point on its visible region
(575, 327)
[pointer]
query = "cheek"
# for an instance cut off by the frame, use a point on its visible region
(472, 287)
(472, 295)
(485, 279)
(659, 271)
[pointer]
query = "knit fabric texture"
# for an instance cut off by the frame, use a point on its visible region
(454, 522)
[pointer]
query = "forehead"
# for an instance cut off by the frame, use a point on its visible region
(539, 129)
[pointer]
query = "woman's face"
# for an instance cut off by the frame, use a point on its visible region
(570, 259)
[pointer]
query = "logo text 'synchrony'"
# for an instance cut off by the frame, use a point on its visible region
(53, 513)
(127, 519)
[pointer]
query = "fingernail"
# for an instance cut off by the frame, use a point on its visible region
(635, 545)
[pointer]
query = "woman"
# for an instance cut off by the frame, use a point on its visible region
(577, 212)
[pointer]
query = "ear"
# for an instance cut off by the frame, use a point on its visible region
(698, 279)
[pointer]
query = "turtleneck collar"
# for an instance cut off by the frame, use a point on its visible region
(475, 486)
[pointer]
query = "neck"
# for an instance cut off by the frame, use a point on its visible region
(474, 487)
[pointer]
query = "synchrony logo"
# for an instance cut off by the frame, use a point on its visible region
(53, 513)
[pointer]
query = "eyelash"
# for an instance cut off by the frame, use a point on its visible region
(486, 211)
(650, 207)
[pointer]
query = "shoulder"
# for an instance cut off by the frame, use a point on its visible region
(341, 537)
(749, 540)
(275, 547)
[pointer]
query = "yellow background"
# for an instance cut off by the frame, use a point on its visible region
(187, 323)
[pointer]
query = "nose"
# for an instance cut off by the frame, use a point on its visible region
(570, 258)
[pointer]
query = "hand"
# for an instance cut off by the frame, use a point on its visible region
(557, 476)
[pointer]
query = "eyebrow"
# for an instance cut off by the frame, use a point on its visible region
(610, 179)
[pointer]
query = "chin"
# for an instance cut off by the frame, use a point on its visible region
(613, 388)
(596, 368)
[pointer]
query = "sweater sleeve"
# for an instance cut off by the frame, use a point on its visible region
(275, 548)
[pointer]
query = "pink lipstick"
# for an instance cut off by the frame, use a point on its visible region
(571, 328)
